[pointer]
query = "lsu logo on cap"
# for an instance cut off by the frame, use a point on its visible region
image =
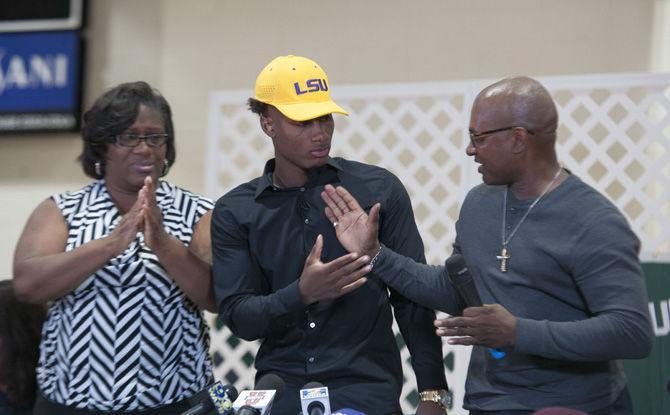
(298, 87)
(312, 85)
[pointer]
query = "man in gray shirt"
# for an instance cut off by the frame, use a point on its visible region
(555, 263)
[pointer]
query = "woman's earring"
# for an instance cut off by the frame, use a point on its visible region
(166, 168)
(98, 169)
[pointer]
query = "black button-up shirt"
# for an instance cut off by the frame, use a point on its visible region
(261, 236)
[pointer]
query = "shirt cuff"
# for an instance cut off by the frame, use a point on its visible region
(289, 296)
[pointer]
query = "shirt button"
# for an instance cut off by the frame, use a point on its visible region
(302, 189)
(310, 360)
(312, 325)
(307, 221)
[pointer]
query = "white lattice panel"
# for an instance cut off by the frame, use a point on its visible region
(614, 133)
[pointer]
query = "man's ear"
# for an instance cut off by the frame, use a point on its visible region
(267, 125)
(520, 139)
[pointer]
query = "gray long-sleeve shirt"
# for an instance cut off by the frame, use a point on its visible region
(574, 283)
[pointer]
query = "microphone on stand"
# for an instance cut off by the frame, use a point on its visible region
(271, 381)
(259, 401)
(215, 397)
(314, 399)
(461, 278)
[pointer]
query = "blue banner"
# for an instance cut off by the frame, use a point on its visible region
(39, 80)
(38, 71)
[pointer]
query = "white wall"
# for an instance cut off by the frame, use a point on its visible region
(188, 48)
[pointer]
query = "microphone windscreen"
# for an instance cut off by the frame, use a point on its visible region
(271, 382)
(231, 392)
(248, 410)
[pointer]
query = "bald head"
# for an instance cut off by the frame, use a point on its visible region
(520, 101)
(523, 158)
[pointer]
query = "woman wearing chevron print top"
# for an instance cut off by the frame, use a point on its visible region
(124, 263)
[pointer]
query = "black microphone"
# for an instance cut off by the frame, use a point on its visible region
(259, 401)
(314, 399)
(248, 410)
(214, 399)
(271, 382)
(460, 277)
(462, 280)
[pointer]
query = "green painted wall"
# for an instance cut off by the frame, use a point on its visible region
(649, 379)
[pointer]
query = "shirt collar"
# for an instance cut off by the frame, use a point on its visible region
(265, 181)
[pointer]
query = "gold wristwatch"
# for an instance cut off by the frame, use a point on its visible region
(440, 396)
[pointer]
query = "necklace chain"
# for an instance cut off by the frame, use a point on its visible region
(532, 205)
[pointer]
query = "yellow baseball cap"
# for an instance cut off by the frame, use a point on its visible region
(297, 87)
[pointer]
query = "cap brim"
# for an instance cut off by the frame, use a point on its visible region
(309, 110)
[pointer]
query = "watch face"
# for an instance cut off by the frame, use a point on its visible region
(447, 398)
(443, 397)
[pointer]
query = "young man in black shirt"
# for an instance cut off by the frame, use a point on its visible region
(281, 275)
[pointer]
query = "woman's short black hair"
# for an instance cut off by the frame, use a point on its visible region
(20, 334)
(112, 114)
(257, 107)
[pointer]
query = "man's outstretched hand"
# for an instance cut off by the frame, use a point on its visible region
(355, 229)
(327, 281)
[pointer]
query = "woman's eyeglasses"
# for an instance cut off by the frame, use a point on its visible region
(133, 140)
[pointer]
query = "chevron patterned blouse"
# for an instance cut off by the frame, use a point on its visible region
(127, 338)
